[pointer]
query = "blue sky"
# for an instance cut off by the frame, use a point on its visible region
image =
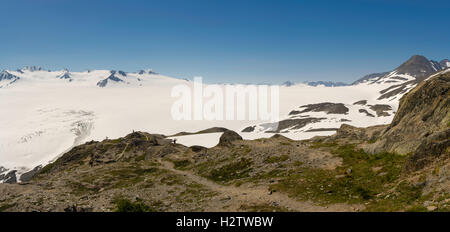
(224, 41)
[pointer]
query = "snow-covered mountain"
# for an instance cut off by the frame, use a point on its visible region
(373, 100)
(45, 113)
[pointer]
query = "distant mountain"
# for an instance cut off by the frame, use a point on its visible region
(316, 83)
(326, 83)
(65, 75)
(111, 78)
(288, 83)
(416, 68)
(404, 77)
(369, 77)
(7, 79)
(101, 78)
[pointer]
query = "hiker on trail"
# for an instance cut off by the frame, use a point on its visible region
(174, 141)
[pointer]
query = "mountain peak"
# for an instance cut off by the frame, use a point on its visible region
(418, 66)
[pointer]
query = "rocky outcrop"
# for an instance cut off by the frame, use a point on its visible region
(228, 137)
(422, 112)
(327, 107)
(431, 149)
(28, 175)
(287, 124)
(9, 178)
(381, 109)
(351, 134)
(137, 145)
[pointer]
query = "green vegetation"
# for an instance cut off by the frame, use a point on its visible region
(80, 189)
(195, 192)
(362, 178)
(172, 179)
(130, 176)
(277, 159)
(180, 164)
(46, 169)
(404, 196)
(125, 205)
(231, 171)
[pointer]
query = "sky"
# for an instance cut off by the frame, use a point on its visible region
(224, 41)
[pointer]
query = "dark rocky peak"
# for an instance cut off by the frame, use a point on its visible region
(288, 83)
(111, 77)
(122, 73)
(65, 75)
(5, 75)
(32, 68)
(148, 71)
(417, 66)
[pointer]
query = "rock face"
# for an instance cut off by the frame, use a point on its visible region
(9, 178)
(327, 107)
(430, 149)
(28, 175)
(381, 109)
(288, 124)
(421, 123)
(228, 137)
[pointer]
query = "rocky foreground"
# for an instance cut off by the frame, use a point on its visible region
(403, 166)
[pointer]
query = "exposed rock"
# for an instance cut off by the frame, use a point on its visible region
(9, 178)
(167, 149)
(396, 90)
(362, 102)
(206, 131)
(431, 149)
(366, 112)
(249, 129)
(28, 175)
(381, 110)
(422, 112)
(228, 137)
(370, 76)
(296, 123)
(327, 107)
(350, 133)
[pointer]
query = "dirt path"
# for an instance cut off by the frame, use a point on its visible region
(238, 196)
(123, 152)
